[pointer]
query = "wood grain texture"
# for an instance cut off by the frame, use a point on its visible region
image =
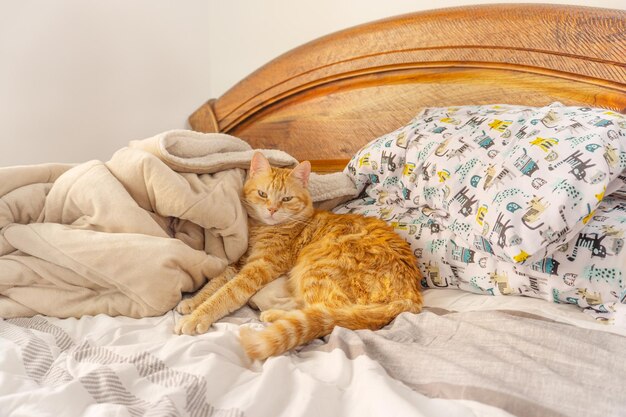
(335, 121)
(326, 99)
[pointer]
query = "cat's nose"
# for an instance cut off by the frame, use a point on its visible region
(272, 210)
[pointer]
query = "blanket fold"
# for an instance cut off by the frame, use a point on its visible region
(127, 236)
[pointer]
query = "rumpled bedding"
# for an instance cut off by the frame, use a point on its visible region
(128, 236)
(507, 200)
(437, 363)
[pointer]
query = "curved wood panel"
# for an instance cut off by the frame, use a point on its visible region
(335, 121)
(327, 98)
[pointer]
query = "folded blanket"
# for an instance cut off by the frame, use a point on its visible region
(127, 236)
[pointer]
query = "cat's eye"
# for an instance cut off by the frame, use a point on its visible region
(285, 199)
(262, 194)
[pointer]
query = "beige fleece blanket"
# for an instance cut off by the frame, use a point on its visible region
(127, 236)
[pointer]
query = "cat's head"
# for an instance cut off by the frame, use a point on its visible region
(277, 195)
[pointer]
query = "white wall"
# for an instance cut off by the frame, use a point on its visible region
(80, 78)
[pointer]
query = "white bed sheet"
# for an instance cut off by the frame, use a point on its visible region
(118, 366)
(105, 366)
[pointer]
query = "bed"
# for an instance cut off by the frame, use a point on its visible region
(467, 354)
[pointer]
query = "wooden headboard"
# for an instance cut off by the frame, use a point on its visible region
(324, 100)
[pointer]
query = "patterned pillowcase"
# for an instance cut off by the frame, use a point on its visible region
(524, 179)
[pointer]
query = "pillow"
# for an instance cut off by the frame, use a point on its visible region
(524, 179)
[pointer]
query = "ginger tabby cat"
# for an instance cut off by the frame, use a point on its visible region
(344, 269)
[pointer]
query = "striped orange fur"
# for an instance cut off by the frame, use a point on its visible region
(344, 269)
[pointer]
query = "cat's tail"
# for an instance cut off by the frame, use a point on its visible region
(297, 327)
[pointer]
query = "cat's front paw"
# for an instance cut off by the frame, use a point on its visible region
(271, 315)
(192, 325)
(185, 306)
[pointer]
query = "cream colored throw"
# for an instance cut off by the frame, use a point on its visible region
(127, 236)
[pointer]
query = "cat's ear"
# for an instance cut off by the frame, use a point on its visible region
(259, 164)
(302, 172)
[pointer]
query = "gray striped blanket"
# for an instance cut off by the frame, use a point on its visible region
(471, 363)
